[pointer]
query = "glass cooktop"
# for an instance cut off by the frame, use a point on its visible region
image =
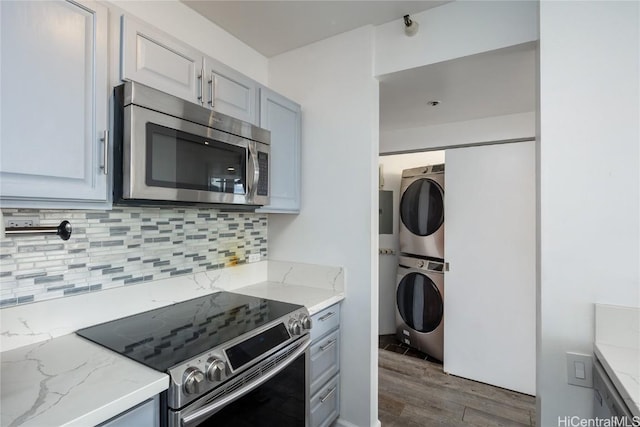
(168, 336)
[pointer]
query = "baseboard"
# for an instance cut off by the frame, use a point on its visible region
(342, 423)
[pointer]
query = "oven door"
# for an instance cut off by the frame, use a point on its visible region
(169, 159)
(274, 393)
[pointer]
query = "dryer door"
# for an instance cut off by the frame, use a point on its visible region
(419, 302)
(422, 207)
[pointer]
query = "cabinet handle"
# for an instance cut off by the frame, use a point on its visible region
(105, 152)
(328, 345)
(326, 396)
(212, 89)
(327, 316)
(201, 88)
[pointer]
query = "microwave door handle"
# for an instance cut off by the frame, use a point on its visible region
(254, 171)
(212, 90)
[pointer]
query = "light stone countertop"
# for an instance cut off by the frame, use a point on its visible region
(69, 381)
(51, 377)
(622, 364)
(617, 347)
(315, 299)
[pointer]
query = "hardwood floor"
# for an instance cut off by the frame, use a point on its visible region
(416, 393)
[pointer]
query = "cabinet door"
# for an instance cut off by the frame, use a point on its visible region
(229, 91)
(53, 108)
(283, 118)
(153, 58)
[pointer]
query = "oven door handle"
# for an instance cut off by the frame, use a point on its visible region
(208, 410)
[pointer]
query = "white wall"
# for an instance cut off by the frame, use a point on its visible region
(589, 184)
(338, 223)
(183, 23)
(392, 167)
(499, 128)
(454, 30)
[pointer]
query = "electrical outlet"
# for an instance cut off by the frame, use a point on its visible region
(254, 257)
(22, 221)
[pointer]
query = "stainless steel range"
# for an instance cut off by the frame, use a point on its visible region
(232, 359)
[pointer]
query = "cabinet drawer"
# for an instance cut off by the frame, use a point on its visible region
(145, 414)
(325, 357)
(325, 321)
(324, 404)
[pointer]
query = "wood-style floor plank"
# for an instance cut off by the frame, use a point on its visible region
(414, 392)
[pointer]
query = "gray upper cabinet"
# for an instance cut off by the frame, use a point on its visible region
(54, 104)
(229, 92)
(283, 118)
(152, 57)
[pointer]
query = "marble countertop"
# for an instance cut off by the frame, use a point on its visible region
(315, 299)
(617, 347)
(69, 381)
(622, 364)
(51, 377)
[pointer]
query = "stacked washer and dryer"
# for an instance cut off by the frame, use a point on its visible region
(420, 281)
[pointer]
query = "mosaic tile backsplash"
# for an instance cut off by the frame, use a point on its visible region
(121, 247)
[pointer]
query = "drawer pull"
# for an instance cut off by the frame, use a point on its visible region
(326, 396)
(327, 316)
(328, 345)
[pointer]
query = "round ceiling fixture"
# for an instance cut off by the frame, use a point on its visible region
(410, 26)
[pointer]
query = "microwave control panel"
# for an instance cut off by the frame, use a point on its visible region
(263, 181)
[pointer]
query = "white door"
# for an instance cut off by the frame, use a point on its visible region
(490, 291)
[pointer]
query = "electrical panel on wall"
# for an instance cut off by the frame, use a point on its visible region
(385, 209)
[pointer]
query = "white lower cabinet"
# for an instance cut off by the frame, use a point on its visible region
(325, 366)
(325, 404)
(145, 414)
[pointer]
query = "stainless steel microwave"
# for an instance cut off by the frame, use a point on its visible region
(171, 151)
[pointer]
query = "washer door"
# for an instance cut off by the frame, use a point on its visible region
(422, 207)
(419, 302)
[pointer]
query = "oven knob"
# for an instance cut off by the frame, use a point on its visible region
(215, 369)
(295, 328)
(192, 379)
(306, 321)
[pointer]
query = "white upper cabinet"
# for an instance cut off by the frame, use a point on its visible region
(283, 118)
(53, 108)
(152, 57)
(229, 92)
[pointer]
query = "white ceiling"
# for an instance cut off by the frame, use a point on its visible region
(274, 27)
(495, 83)
(490, 84)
